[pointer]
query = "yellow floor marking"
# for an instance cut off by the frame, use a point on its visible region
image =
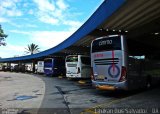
(89, 112)
(81, 81)
(60, 77)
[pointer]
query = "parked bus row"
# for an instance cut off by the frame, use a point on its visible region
(115, 62)
(73, 66)
(16, 67)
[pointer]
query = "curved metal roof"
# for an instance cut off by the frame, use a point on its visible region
(105, 10)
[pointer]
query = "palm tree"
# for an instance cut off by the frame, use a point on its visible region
(32, 48)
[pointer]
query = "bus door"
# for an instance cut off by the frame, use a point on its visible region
(85, 66)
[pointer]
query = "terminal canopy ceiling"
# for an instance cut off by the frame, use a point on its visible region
(139, 20)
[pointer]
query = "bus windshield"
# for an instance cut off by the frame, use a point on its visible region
(48, 60)
(40, 63)
(106, 44)
(72, 59)
(48, 63)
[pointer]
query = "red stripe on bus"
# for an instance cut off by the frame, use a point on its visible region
(113, 65)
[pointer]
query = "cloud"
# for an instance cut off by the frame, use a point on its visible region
(7, 20)
(14, 12)
(47, 11)
(31, 12)
(48, 19)
(3, 20)
(51, 12)
(11, 50)
(74, 25)
(45, 39)
(20, 32)
(43, 13)
(49, 39)
(44, 5)
(31, 25)
(9, 8)
(61, 5)
(25, 5)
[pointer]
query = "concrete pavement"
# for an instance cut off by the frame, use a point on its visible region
(51, 94)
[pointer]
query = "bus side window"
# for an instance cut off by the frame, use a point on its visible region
(136, 63)
(86, 60)
(131, 63)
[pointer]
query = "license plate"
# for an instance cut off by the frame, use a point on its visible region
(100, 77)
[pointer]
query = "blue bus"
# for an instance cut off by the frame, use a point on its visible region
(54, 66)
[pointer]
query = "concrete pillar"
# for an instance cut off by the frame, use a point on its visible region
(33, 66)
(19, 66)
(8, 66)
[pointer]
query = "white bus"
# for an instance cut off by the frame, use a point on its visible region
(28, 67)
(40, 67)
(78, 66)
(119, 64)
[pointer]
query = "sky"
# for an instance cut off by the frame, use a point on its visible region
(43, 22)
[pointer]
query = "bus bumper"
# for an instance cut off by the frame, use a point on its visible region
(110, 86)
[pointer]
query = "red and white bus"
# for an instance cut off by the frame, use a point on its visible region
(114, 66)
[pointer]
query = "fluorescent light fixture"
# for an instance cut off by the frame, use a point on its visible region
(156, 33)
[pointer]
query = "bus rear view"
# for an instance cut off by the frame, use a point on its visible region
(40, 67)
(108, 62)
(78, 66)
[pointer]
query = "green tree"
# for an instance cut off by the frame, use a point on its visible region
(2, 37)
(32, 49)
